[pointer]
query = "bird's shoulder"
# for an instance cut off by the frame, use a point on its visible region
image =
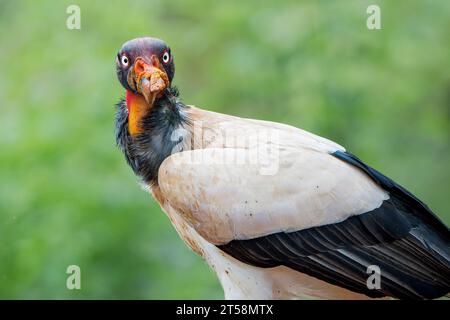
(218, 130)
(248, 178)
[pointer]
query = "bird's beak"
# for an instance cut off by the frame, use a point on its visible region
(150, 79)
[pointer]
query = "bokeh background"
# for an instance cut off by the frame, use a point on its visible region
(66, 194)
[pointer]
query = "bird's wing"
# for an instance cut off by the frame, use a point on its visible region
(314, 209)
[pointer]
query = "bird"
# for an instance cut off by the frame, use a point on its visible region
(275, 211)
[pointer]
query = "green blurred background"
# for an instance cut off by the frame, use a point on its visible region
(66, 194)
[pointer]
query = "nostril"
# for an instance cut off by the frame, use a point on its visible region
(139, 66)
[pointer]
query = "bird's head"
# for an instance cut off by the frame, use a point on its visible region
(145, 66)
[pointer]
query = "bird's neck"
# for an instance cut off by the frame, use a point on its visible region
(146, 134)
(138, 108)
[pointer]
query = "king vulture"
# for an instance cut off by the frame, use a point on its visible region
(277, 212)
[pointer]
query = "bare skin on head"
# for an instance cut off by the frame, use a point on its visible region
(145, 68)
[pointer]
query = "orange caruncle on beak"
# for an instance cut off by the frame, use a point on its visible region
(150, 79)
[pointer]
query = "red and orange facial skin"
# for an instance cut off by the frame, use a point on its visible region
(151, 82)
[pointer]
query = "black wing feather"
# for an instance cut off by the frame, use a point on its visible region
(396, 189)
(402, 237)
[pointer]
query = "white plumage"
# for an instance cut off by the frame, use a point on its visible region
(224, 199)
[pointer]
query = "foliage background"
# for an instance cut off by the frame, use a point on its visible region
(66, 194)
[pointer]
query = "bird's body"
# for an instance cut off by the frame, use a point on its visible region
(277, 212)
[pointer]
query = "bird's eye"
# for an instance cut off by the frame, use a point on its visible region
(166, 57)
(124, 60)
